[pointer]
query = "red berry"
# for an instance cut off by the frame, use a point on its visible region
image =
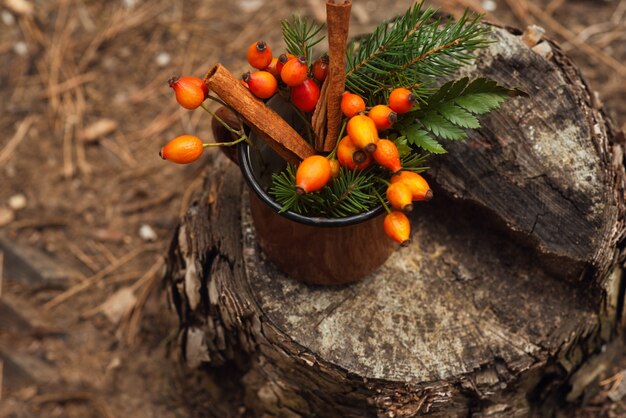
(261, 83)
(401, 100)
(294, 72)
(259, 55)
(351, 157)
(320, 68)
(362, 130)
(183, 149)
(305, 95)
(387, 155)
(418, 185)
(190, 91)
(352, 104)
(273, 68)
(397, 227)
(383, 117)
(312, 174)
(400, 196)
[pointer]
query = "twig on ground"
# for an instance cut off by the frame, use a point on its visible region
(553, 6)
(146, 284)
(571, 37)
(76, 396)
(19, 135)
(520, 10)
(150, 203)
(87, 283)
(84, 258)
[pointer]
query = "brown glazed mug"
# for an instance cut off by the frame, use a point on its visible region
(323, 251)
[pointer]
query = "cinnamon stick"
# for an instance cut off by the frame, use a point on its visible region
(338, 22)
(266, 123)
(318, 121)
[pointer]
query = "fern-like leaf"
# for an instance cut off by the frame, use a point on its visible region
(421, 138)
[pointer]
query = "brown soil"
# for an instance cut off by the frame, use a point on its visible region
(69, 64)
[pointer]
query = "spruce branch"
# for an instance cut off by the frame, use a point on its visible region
(412, 51)
(301, 36)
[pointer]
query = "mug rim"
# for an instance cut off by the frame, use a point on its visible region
(246, 169)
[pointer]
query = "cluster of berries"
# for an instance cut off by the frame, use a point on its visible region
(288, 70)
(360, 148)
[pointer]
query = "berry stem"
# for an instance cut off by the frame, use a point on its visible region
(225, 144)
(220, 120)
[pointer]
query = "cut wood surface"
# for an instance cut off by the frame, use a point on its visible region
(505, 304)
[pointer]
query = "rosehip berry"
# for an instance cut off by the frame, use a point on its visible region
(272, 68)
(334, 168)
(420, 189)
(320, 68)
(351, 157)
(190, 91)
(261, 83)
(312, 174)
(294, 72)
(401, 100)
(183, 149)
(398, 227)
(383, 117)
(387, 155)
(362, 130)
(351, 104)
(400, 197)
(259, 55)
(305, 95)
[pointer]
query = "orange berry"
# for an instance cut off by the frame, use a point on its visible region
(400, 196)
(320, 68)
(351, 157)
(351, 104)
(261, 83)
(259, 55)
(294, 71)
(387, 155)
(362, 130)
(398, 227)
(334, 168)
(401, 100)
(183, 149)
(312, 174)
(383, 117)
(190, 91)
(305, 95)
(420, 189)
(272, 68)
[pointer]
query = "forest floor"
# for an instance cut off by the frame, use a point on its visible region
(85, 108)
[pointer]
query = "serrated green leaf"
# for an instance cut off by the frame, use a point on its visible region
(419, 137)
(442, 127)
(403, 148)
(458, 116)
(480, 103)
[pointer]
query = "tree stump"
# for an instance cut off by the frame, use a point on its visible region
(507, 302)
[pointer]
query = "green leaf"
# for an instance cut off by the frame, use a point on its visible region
(422, 139)
(403, 148)
(442, 127)
(458, 116)
(480, 103)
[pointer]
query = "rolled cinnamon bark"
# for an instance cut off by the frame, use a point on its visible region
(338, 22)
(266, 123)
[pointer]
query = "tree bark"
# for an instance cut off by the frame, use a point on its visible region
(507, 302)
